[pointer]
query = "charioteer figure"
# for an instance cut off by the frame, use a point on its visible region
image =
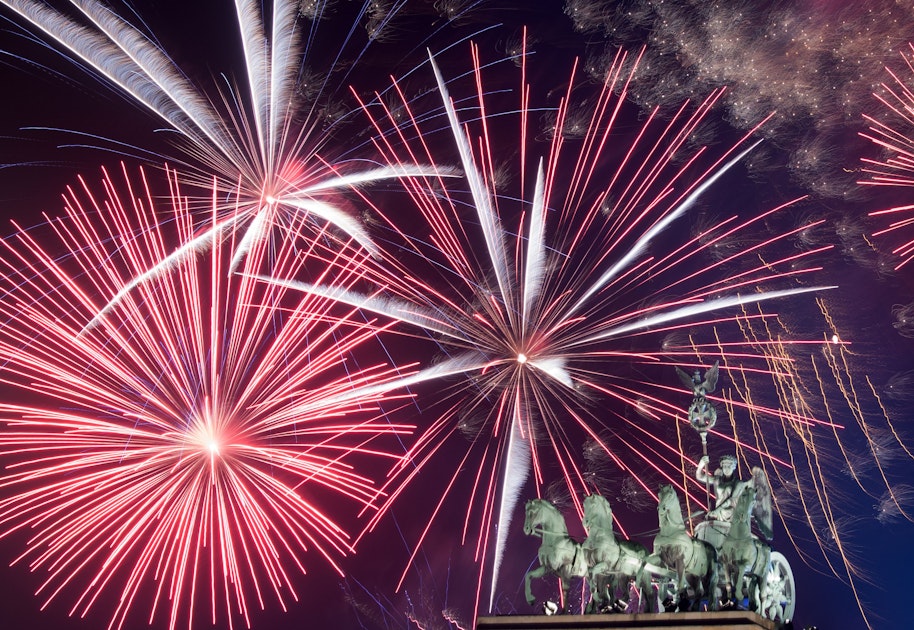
(727, 489)
(727, 486)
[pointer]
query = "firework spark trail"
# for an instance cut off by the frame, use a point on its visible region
(894, 133)
(538, 313)
(801, 445)
(822, 384)
(185, 447)
(254, 146)
(838, 362)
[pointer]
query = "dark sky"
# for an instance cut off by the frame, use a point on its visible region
(814, 62)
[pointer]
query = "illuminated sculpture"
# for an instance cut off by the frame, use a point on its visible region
(722, 564)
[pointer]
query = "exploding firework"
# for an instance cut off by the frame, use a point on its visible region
(262, 144)
(900, 387)
(199, 442)
(894, 133)
(572, 304)
(631, 432)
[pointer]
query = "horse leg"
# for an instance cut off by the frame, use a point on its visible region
(726, 584)
(655, 601)
(761, 578)
(592, 604)
(538, 572)
(680, 593)
(620, 593)
(697, 579)
(646, 602)
(713, 580)
(704, 587)
(738, 587)
(645, 599)
(594, 587)
(755, 588)
(597, 586)
(711, 584)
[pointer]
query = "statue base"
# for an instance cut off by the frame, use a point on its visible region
(721, 620)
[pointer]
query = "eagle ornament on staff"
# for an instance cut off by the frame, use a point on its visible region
(702, 415)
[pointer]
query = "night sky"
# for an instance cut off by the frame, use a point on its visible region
(814, 63)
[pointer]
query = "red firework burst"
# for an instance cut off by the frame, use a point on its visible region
(894, 133)
(192, 440)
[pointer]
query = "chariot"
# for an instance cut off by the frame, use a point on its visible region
(759, 577)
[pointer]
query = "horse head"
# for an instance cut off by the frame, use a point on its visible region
(543, 518)
(668, 508)
(597, 513)
(531, 516)
(666, 498)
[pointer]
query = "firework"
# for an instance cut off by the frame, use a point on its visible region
(900, 387)
(261, 145)
(893, 133)
(789, 59)
(820, 511)
(570, 304)
(199, 442)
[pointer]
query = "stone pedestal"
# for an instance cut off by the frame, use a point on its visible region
(724, 620)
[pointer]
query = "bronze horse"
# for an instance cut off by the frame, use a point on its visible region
(692, 561)
(559, 554)
(613, 563)
(743, 555)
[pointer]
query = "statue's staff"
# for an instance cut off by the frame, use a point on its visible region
(702, 415)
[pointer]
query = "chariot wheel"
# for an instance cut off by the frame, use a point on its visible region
(780, 591)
